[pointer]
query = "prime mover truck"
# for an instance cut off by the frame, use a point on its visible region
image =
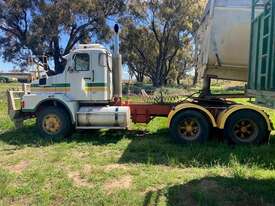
(88, 95)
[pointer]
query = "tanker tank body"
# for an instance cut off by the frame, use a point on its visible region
(223, 41)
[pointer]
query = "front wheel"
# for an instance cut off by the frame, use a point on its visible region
(190, 127)
(53, 123)
(246, 127)
(2, 80)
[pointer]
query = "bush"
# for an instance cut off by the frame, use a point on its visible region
(136, 88)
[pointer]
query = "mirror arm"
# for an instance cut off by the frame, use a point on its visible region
(70, 69)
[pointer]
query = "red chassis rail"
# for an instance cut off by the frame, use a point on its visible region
(144, 113)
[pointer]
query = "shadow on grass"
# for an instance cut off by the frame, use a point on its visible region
(157, 148)
(215, 191)
(28, 136)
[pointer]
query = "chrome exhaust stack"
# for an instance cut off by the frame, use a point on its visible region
(117, 66)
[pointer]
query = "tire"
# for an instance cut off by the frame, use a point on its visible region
(266, 139)
(182, 133)
(246, 127)
(2, 80)
(53, 123)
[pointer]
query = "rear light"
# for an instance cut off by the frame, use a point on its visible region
(22, 104)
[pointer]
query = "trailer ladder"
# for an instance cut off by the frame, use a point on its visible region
(261, 70)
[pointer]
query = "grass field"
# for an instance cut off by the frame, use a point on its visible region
(123, 168)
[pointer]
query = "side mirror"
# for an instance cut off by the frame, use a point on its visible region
(70, 69)
(116, 28)
(43, 81)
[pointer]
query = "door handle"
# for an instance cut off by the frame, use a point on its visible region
(93, 75)
(87, 78)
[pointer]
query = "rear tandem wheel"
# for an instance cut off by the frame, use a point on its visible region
(246, 127)
(190, 126)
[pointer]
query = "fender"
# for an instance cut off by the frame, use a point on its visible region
(187, 106)
(223, 116)
(34, 101)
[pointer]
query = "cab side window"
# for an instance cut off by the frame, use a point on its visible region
(82, 62)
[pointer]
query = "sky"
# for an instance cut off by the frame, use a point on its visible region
(4, 66)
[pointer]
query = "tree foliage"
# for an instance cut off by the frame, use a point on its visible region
(51, 27)
(182, 63)
(155, 35)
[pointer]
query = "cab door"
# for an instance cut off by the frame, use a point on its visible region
(79, 74)
(99, 88)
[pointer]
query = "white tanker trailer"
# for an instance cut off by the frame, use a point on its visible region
(223, 41)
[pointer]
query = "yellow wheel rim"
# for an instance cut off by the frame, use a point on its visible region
(51, 124)
(189, 129)
(245, 130)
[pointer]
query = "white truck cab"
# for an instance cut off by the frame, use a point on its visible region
(81, 97)
(87, 76)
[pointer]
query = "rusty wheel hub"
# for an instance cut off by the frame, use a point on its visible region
(51, 124)
(245, 130)
(189, 129)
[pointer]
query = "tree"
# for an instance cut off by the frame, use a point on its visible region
(182, 64)
(134, 47)
(51, 27)
(156, 31)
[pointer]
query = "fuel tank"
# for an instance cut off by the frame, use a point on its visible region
(105, 116)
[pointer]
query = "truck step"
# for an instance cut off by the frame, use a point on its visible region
(100, 127)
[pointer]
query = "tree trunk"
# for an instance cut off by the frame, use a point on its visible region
(165, 81)
(58, 67)
(195, 78)
(159, 80)
(59, 64)
(178, 79)
(155, 81)
(140, 77)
